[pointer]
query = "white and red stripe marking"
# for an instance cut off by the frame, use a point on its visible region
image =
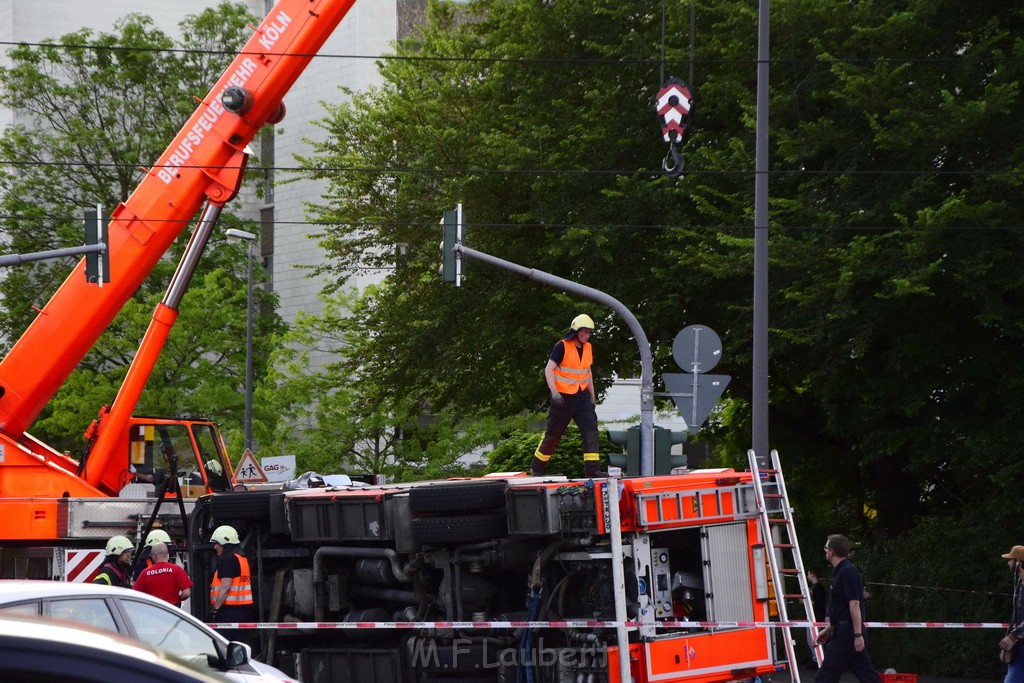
(81, 566)
(585, 623)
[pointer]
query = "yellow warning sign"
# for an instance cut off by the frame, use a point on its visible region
(249, 470)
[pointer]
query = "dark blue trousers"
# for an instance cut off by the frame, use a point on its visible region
(840, 656)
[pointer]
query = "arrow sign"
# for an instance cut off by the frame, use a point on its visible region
(695, 395)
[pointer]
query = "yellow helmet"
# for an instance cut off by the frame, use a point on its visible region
(118, 544)
(214, 467)
(582, 320)
(225, 535)
(157, 536)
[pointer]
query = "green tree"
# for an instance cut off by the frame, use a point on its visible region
(340, 417)
(895, 285)
(90, 110)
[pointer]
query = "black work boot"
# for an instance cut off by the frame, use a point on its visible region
(592, 470)
(537, 466)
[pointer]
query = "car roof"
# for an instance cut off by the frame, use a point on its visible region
(21, 590)
(18, 590)
(38, 646)
(27, 589)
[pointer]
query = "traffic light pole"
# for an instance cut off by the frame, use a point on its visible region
(646, 362)
(15, 259)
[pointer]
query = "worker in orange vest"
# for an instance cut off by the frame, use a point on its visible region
(231, 587)
(571, 384)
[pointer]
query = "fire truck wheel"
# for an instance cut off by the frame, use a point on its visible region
(458, 497)
(454, 529)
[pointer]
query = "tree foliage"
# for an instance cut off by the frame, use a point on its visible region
(895, 200)
(92, 108)
(341, 418)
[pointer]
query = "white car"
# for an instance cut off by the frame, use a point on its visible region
(43, 651)
(137, 616)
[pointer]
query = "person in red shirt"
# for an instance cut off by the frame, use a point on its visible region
(164, 579)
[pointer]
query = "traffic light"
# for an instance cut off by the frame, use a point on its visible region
(97, 266)
(451, 264)
(664, 439)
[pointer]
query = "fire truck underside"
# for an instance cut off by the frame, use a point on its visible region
(496, 550)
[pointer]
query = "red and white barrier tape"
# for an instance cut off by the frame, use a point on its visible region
(584, 623)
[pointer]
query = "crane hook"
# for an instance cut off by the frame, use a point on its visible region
(673, 163)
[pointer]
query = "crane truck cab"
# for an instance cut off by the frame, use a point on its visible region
(193, 450)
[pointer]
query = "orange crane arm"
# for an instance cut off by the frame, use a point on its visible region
(201, 163)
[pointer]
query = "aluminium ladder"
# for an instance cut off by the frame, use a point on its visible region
(776, 518)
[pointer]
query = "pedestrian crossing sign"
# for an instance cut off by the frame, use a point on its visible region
(249, 470)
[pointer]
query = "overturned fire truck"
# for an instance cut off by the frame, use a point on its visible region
(496, 555)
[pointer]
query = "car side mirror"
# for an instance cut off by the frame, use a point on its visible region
(238, 655)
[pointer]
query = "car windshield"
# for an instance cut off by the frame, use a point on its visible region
(170, 631)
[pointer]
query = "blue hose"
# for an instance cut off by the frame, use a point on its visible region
(524, 662)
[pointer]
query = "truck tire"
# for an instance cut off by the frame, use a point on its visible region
(454, 529)
(458, 497)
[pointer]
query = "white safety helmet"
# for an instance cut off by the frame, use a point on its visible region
(157, 536)
(118, 544)
(582, 321)
(225, 535)
(214, 467)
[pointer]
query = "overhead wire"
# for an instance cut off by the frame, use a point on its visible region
(660, 61)
(399, 170)
(555, 61)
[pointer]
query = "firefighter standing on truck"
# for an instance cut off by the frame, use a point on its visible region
(571, 384)
(116, 569)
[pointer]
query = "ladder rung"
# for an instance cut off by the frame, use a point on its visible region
(777, 520)
(783, 546)
(792, 572)
(793, 596)
(776, 496)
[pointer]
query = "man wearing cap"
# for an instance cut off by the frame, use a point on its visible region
(1015, 669)
(844, 640)
(571, 384)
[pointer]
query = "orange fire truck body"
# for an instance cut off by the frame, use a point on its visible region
(509, 548)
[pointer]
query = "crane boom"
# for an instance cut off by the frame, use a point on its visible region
(203, 163)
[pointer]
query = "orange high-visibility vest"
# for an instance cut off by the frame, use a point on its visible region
(573, 374)
(240, 591)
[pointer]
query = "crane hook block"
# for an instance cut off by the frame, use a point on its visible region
(674, 106)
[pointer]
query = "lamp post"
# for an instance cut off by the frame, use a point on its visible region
(251, 239)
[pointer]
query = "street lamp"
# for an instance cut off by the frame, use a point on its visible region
(251, 239)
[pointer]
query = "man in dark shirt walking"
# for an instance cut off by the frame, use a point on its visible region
(845, 644)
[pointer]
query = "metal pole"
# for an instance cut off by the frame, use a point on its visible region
(248, 356)
(14, 259)
(611, 488)
(759, 397)
(646, 361)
